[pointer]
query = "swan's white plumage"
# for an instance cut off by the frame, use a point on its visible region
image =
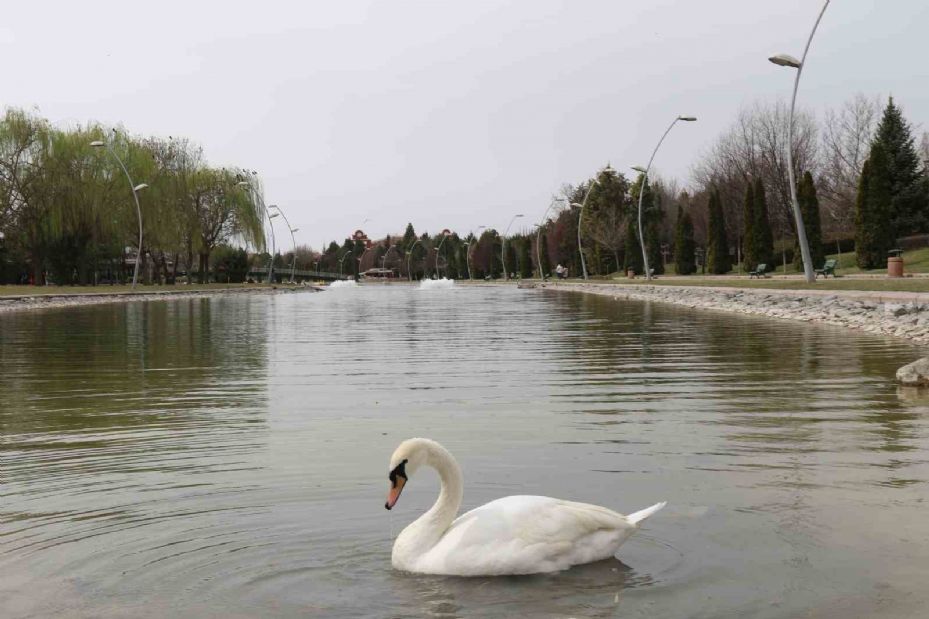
(512, 535)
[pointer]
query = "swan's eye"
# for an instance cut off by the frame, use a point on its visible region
(399, 471)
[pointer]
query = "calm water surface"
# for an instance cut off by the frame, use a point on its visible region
(227, 457)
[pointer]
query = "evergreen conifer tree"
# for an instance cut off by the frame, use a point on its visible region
(873, 228)
(409, 237)
(809, 208)
(632, 256)
(717, 253)
(749, 253)
(684, 245)
(525, 259)
(763, 238)
(903, 170)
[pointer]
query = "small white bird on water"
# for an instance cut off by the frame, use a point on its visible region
(512, 535)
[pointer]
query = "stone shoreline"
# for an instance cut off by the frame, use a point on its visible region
(55, 301)
(903, 315)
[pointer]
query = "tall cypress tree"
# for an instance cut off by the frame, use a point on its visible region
(717, 253)
(903, 170)
(684, 245)
(763, 238)
(652, 214)
(749, 253)
(873, 228)
(809, 208)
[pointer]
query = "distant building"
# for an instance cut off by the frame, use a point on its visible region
(359, 235)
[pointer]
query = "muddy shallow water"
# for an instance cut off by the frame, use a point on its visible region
(227, 456)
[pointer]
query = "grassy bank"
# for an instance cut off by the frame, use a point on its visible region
(863, 284)
(915, 261)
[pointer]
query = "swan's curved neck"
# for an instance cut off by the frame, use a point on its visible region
(443, 512)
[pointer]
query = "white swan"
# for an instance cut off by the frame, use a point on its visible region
(512, 535)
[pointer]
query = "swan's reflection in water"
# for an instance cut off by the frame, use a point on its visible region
(591, 590)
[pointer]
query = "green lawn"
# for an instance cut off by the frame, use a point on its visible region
(125, 289)
(864, 284)
(915, 261)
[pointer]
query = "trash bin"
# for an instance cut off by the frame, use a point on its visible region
(895, 263)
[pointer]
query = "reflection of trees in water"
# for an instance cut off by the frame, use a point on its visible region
(785, 390)
(124, 377)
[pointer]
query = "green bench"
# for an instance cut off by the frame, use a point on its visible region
(760, 271)
(828, 269)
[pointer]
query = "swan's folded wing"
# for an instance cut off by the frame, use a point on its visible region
(567, 521)
(525, 534)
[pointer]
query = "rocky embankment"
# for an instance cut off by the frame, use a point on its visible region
(894, 314)
(51, 301)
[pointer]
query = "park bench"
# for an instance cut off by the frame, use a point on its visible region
(759, 272)
(828, 269)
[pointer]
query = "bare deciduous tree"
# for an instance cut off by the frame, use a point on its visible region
(846, 142)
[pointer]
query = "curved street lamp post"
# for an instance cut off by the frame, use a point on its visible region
(342, 260)
(538, 237)
(135, 196)
(293, 266)
(506, 274)
(580, 220)
(441, 243)
(409, 259)
(785, 60)
(644, 171)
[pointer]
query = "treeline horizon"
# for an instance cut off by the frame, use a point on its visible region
(863, 183)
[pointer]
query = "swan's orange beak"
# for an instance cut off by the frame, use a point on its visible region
(394, 493)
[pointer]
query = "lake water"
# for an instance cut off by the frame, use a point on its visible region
(227, 457)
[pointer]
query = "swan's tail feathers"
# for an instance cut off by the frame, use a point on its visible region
(642, 514)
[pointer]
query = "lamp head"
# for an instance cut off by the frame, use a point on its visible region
(785, 60)
(689, 119)
(639, 168)
(140, 187)
(97, 144)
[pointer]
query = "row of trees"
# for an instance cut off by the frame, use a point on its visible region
(67, 212)
(66, 209)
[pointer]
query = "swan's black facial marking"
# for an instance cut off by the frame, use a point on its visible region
(399, 471)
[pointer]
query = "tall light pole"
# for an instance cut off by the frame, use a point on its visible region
(506, 274)
(467, 246)
(409, 259)
(648, 273)
(441, 243)
(135, 196)
(342, 260)
(468, 250)
(273, 241)
(786, 60)
(538, 238)
(580, 220)
(293, 266)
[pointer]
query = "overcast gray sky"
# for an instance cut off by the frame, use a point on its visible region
(446, 114)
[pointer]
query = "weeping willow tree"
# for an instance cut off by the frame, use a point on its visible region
(222, 209)
(68, 207)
